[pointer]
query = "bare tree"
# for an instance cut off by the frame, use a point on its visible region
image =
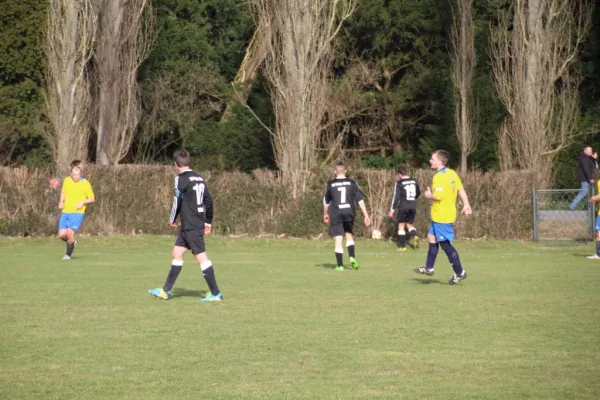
(463, 68)
(346, 105)
(255, 55)
(68, 44)
(125, 37)
(298, 68)
(534, 48)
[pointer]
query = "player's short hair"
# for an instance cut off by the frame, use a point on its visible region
(181, 158)
(443, 155)
(75, 163)
(402, 170)
(340, 166)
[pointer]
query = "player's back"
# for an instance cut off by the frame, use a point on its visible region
(342, 194)
(195, 199)
(446, 184)
(408, 191)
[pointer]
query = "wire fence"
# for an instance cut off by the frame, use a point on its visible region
(563, 216)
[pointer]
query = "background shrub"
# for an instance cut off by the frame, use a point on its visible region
(134, 199)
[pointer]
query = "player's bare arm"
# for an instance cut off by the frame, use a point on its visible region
(326, 213)
(363, 208)
(85, 202)
(61, 202)
(326, 201)
(429, 196)
(465, 201)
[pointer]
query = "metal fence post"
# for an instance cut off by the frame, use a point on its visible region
(554, 222)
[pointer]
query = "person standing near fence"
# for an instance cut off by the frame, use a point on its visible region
(585, 172)
(595, 200)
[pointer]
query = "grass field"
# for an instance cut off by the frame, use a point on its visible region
(525, 325)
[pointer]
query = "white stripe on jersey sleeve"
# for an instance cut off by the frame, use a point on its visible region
(174, 209)
(393, 197)
(174, 206)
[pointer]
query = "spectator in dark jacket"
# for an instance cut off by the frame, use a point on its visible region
(585, 173)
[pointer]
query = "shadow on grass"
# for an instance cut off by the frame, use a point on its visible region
(182, 292)
(327, 265)
(427, 281)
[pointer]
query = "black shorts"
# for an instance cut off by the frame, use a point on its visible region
(338, 228)
(191, 240)
(406, 215)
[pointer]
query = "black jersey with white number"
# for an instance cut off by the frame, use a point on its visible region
(406, 193)
(192, 202)
(342, 194)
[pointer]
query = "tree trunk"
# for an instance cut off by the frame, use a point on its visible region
(536, 80)
(125, 35)
(463, 161)
(297, 67)
(255, 54)
(68, 43)
(463, 69)
(107, 110)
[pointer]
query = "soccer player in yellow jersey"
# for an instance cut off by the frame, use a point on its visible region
(75, 195)
(446, 188)
(595, 200)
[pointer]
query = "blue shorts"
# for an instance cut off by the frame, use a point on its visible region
(70, 220)
(442, 232)
(598, 223)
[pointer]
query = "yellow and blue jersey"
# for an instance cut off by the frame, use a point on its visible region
(598, 192)
(74, 193)
(445, 187)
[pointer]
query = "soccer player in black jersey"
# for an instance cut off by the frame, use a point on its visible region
(339, 209)
(404, 205)
(194, 205)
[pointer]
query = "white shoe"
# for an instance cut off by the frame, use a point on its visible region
(594, 257)
(66, 257)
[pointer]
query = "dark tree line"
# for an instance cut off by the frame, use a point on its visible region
(392, 87)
